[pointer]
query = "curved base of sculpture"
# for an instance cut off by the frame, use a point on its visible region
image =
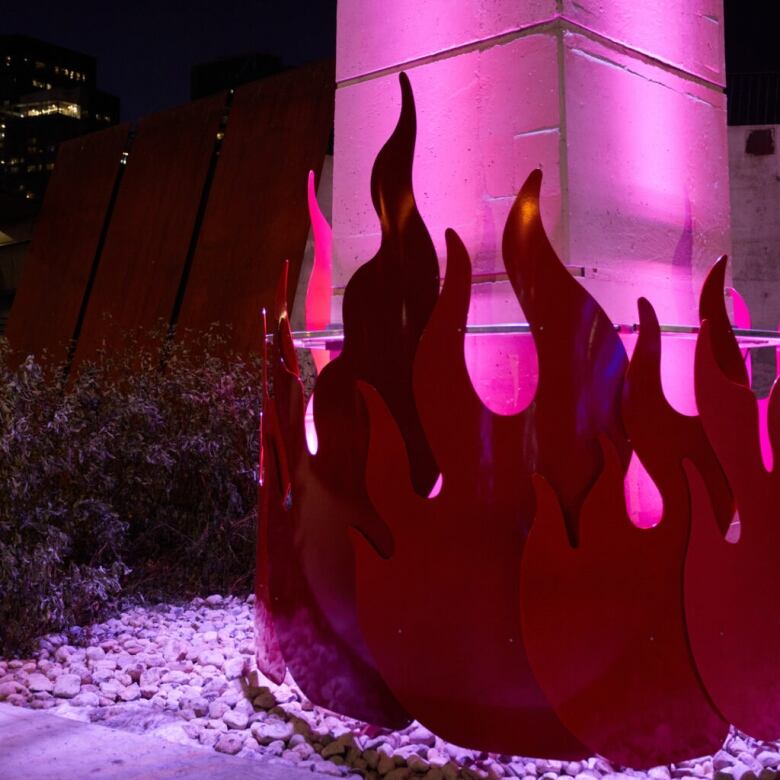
(521, 609)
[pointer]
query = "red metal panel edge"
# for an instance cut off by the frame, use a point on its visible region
(605, 627)
(456, 556)
(386, 306)
(151, 225)
(482, 692)
(256, 216)
(65, 242)
(268, 652)
(732, 589)
(304, 578)
(661, 435)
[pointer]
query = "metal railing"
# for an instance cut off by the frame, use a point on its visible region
(753, 98)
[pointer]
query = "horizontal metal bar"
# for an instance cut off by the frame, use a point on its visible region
(332, 338)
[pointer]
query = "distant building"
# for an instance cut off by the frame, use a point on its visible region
(48, 94)
(229, 72)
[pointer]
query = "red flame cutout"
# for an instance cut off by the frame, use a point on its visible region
(618, 639)
(311, 584)
(481, 692)
(267, 650)
(582, 361)
(732, 590)
(605, 628)
(610, 612)
(319, 288)
(661, 436)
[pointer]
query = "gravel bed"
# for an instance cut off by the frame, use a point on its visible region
(187, 673)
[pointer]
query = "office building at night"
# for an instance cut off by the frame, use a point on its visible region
(48, 94)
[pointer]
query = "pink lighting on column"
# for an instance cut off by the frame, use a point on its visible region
(620, 104)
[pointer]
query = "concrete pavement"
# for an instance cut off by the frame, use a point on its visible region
(35, 745)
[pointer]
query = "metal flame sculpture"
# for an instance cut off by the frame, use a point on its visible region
(522, 611)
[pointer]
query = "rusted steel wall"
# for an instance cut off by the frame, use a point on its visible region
(277, 131)
(163, 257)
(65, 242)
(151, 226)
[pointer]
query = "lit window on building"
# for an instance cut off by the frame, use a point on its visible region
(54, 107)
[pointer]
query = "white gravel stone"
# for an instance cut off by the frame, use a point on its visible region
(229, 743)
(187, 672)
(175, 676)
(217, 708)
(659, 773)
(235, 720)
(67, 686)
(96, 653)
(11, 688)
(39, 682)
(130, 693)
(86, 699)
(327, 768)
(234, 667)
(208, 737)
(211, 658)
(769, 758)
(271, 730)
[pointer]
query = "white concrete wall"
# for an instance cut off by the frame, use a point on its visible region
(619, 101)
(755, 225)
(755, 221)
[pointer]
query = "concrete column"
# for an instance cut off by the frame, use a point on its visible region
(620, 101)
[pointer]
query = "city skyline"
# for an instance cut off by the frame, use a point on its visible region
(146, 50)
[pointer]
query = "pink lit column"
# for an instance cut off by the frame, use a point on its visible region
(619, 101)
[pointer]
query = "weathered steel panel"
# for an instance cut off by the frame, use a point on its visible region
(65, 243)
(152, 225)
(256, 216)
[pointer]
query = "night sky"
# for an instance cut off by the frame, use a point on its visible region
(145, 49)
(752, 36)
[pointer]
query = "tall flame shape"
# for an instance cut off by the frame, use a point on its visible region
(582, 361)
(662, 437)
(447, 640)
(605, 628)
(311, 582)
(458, 554)
(610, 612)
(517, 609)
(732, 590)
(318, 290)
